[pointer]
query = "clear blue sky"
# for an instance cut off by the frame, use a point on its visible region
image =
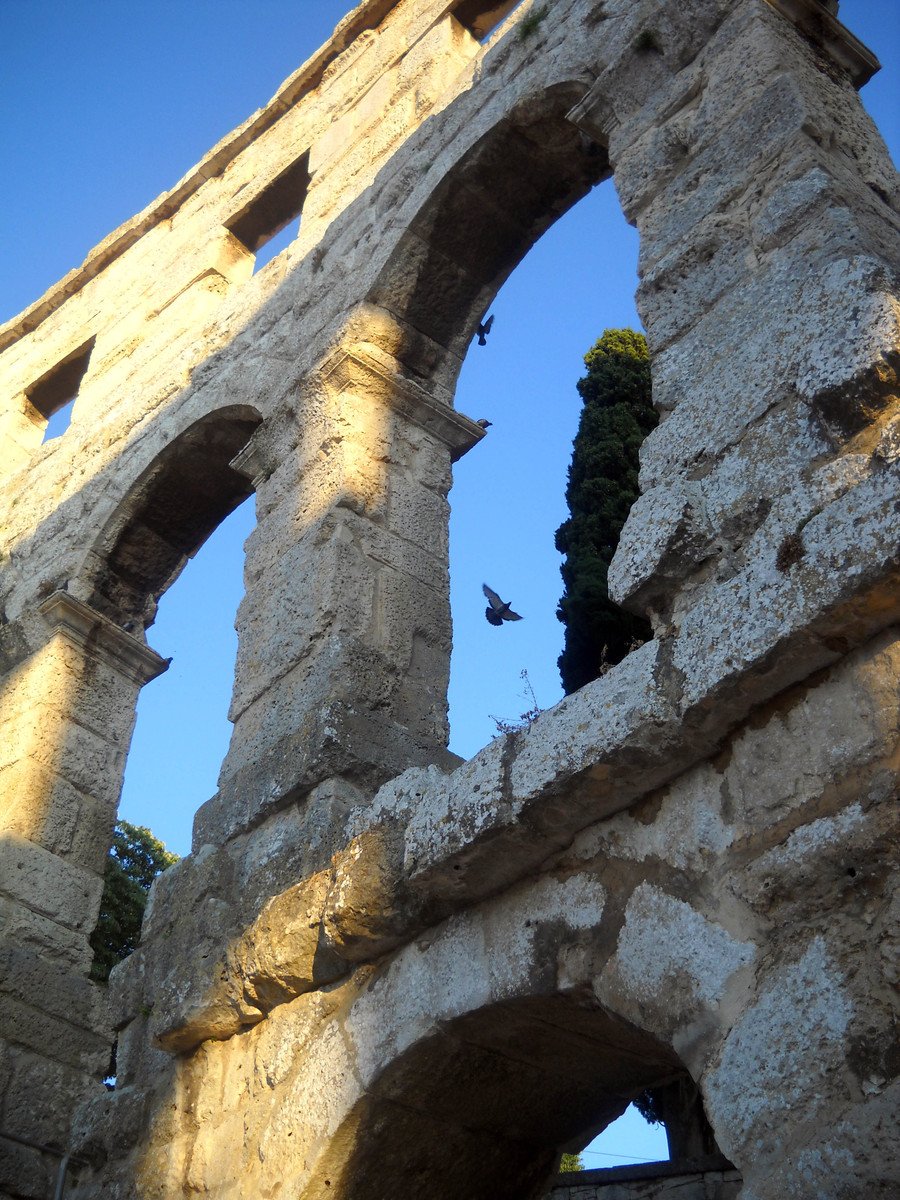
(105, 104)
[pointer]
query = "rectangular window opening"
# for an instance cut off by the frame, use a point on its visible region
(53, 395)
(274, 246)
(481, 17)
(275, 211)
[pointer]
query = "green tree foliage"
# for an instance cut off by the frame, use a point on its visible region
(603, 485)
(571, 1162)
(135, 859)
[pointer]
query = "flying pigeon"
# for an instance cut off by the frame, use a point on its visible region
(484, 329)
(497, 612)
(483, 423)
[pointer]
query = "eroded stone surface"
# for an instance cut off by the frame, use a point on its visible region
(383, 971)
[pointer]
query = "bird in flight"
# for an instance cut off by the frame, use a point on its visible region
(484, 329)
(497, 612)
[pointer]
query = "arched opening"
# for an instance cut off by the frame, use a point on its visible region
(484, 1107)
(181, 728)
(576, 281)
(189, 492)
(170, 512)
(520, 229)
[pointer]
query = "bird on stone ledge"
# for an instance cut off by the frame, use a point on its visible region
(484, 329)
(497, 611)
(483, 423)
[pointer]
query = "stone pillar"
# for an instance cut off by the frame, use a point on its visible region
(775, 202)
(344, 632)
(66, 716)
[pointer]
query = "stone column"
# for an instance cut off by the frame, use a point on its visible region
(66, 717)
(344, 632)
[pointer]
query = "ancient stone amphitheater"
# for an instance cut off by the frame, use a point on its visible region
(384, 972)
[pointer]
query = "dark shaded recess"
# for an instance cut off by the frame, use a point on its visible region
(486, 215)
(61, 383)
(482, 17)
(280, 203)
(484, 1107)
(174, 507)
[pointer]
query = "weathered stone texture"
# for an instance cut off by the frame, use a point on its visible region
(383, 971)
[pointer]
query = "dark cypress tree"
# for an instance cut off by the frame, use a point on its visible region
(603, 485)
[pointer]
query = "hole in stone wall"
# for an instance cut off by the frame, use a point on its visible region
(182, 730)
(629, 1140)
(481, 17)
(275, 211)
(272, 248)
(483, 1105)
(508, 497)
(53, 395)
(59, 421)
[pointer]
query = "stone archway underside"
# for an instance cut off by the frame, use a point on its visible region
(683, 866)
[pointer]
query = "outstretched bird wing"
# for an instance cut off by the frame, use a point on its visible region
(499, 610)
(484, 329)
(494, 599)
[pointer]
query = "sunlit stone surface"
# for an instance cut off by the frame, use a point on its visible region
(384, 972)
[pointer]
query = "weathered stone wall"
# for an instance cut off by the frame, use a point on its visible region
(383, 971)
(654, 1182)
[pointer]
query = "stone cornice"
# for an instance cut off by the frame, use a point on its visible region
(815, 21)
(91, 631)
(359, 371)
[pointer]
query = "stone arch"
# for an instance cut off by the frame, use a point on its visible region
(491, 1047)
(501, 194)
(739, 180)
(483, 1105)
(167, 514)
(77, 693)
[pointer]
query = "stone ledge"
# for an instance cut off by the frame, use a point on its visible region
(93, 632)
(356, 370)
(695, 1179)
(814, 21)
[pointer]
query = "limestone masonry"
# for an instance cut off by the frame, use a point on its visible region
(384, 972)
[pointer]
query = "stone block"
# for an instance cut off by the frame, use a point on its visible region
(89, 762)
(673, 965)
(666, 537)
(280, 956)
(22, 927)
(49, 886)
(768, 608)
(54, 1037)
(781, 1063)
(32, 979)
(39, 1096)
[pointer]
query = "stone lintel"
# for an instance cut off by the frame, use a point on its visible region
(91, 631)
(814, 20)
(252, 462)
(594, 114)
(360, 372)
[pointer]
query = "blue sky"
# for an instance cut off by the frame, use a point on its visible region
(106, 103)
